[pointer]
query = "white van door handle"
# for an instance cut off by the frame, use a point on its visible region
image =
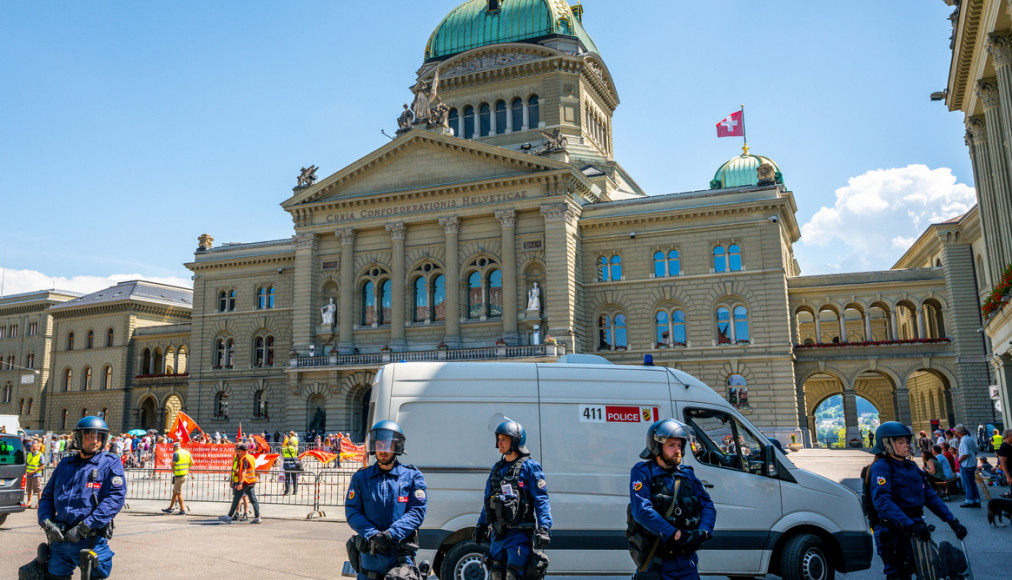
(706, 484)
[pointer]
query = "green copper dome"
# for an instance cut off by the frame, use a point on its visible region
(478, 23)
(743, 170)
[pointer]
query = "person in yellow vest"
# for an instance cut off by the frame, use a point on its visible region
(996, 439)
(290, 458)
(181, 462)
(244, 478)
(33, 469)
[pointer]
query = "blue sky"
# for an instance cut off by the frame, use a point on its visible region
(128, 129)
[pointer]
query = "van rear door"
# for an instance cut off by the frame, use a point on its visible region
(12, 470)
(603, 412)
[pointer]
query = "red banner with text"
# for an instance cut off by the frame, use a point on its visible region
(210, 456)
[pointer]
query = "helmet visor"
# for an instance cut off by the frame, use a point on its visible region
(382, 441)
(86, 439)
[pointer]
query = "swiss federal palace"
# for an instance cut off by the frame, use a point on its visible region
(498, 225)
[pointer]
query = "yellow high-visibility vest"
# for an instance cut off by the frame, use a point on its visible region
(181, 467)
(291, 448)
(33, 462)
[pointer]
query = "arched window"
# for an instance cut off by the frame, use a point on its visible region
(222, 301)
(182, 363)
(737, 393)
(63, 420)
(741, 335)
(84, 412)
(533, 114)
(732, 330)
(270, 297)
(261, 298)
(674, 267)
(219, 353)
(158, 362)
(68, 379)
(9, 393)
(260, 409)
(270, 351)
(231, 300)
(500, 117)
(453, 118)
(734, 258)
(107, 377)
(369, 303)
(104, 414)
(11, 362)
(878, 320)
(386, 301)
(31, 402)
(221, 405)
(602, 269)
(616, 267)
(484, 288)
(517, 114)
(86, 379)
(91, 339)
(670, 328)
(109, 336)
(660, 266)
(468, 122)
(484, 120)
(611, 329)
(723, 326)
(30, 360)
(376, 297)
(495, 294)
(263, 351)
(719, 259)
(170, 361)
(422, 312)
(229, 353)
(475, 303)
(70, 341)
(609, 269)
(439, 297)
(21, 406)
(146, 362)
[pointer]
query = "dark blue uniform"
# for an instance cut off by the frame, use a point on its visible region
(643, 511)
(514, 545)
(73, 495)
(392, 501)
(899, 494)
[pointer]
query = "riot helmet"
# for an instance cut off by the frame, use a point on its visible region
(886, 434)
(88, 425)
(386, 437)
(663, 430)
(515, 431)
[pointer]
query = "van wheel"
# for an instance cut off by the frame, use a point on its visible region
(3, 518)
(804, 558)
(465, 561)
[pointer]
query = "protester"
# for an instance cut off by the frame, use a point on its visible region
(181, 462)
(34, 463)
(1004, 455)
(968, 467)
(244, 479)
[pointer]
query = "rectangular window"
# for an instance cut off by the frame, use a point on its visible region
(14, 331)
(723, 441)
(33, 328)
(3, 332)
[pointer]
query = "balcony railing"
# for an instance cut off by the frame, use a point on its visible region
(460, 354)
(871, 343)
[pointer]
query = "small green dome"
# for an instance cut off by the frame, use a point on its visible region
(743, 170)
(478, 23)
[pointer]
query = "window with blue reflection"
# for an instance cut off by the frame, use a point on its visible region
(474, 301)
(421, 300)
(719, 259)
(741, 324)
(734, 258)
(495, 293)
(368, 303)
(663, 331)
(500, 117)
(659, 271)
(387, 301)
(616, 267)
(723, 325)
(439, 298)
(620, 336)
(484, 119)
(673, 263)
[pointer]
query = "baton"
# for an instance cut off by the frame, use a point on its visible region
(966, 555)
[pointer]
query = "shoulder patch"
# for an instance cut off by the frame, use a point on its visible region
(880, 480)
(351, 494)
(542, 484)
(637, 485)
(117, 481)
(420, 494)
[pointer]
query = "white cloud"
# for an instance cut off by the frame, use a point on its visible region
(878, 216)
(20, 281)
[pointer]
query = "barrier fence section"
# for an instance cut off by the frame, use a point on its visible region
(313, 488)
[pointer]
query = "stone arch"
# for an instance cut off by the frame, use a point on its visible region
(735, 289)
(471, 251)
(357, 416)
(147, 412)
(919, 380)
(934, 313)
(172, 405)
(417, 260)
(349, 382)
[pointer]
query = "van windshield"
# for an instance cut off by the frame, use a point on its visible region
(11, 452)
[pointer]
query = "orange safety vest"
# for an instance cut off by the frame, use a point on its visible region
(244, 471)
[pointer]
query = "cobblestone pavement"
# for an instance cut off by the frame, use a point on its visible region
(288, 545)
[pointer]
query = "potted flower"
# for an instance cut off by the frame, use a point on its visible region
(386, 352)
(386, 348)
(441, 350)
(332, 356)
(442, 346)
(794, 445)
(500, 347)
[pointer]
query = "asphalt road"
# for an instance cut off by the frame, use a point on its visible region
(149, 544)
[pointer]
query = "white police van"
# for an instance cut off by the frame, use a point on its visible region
(586, 424)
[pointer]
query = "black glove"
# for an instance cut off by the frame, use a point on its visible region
(921, 530)
(691, 541)
(53, 533)
(959, 528)
(383, 542)
(480, 535)
(541, 538)
(77, 533)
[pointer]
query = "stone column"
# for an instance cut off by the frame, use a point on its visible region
(1000, 46)
(560, 275)
(919, 322)
(451, 263)
(892, 325)
(1003, 375)
(397, 233)
(987, 91)
(843, 329)
(527, 117)
(302, 296)
(491, 119)
(346, 308)
(818, 330)
(508, 220)
(509, 118)
(901, 403)
(867, 326)
(977, 141)
(852, 428)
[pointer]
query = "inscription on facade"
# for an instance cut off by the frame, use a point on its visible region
(465, 201)
(331, 265)
(532, 245)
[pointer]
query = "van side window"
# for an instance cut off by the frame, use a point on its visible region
(722, 441)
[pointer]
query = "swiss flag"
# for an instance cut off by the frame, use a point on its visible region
(182, 427)
(732, 126)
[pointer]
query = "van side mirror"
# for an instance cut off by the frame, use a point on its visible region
(771, 461)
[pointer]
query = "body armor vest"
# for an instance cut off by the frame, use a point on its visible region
(687, 513)
(508, 511)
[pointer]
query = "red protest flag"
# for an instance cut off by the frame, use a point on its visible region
(182, 427)
(732, 126)
(261, 444)
(239, 436)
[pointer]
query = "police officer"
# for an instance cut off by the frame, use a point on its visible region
(672, 515)
(516, 513)
(386, 505)
(80, 500)
(899, 492)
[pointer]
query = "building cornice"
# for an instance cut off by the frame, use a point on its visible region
(223, 260)
(125, 306)
(967, 35)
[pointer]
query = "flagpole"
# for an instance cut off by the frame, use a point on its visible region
(744, 136)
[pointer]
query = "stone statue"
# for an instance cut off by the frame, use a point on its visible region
(327, 311)
(766, 173)
(554, 141)
(307, 176)
(420, 106)
(534, 298)
(438, 114)
(205, 242)
(319, 422)
(405, 119)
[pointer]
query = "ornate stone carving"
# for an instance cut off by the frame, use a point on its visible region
(327, 312)
(397, 231)
(534, 298)
(490, 60)
(304, 241)
(557, 213)
(554, 142)
(405, 118)
(999, 44)
(977, 129)
(987, 91)
(451, 225)
(307, 177)
(204, 242)
(766, 173)
(347, 236)
(438, 115)
(597, 70)
(507, 218)
(427, 108)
